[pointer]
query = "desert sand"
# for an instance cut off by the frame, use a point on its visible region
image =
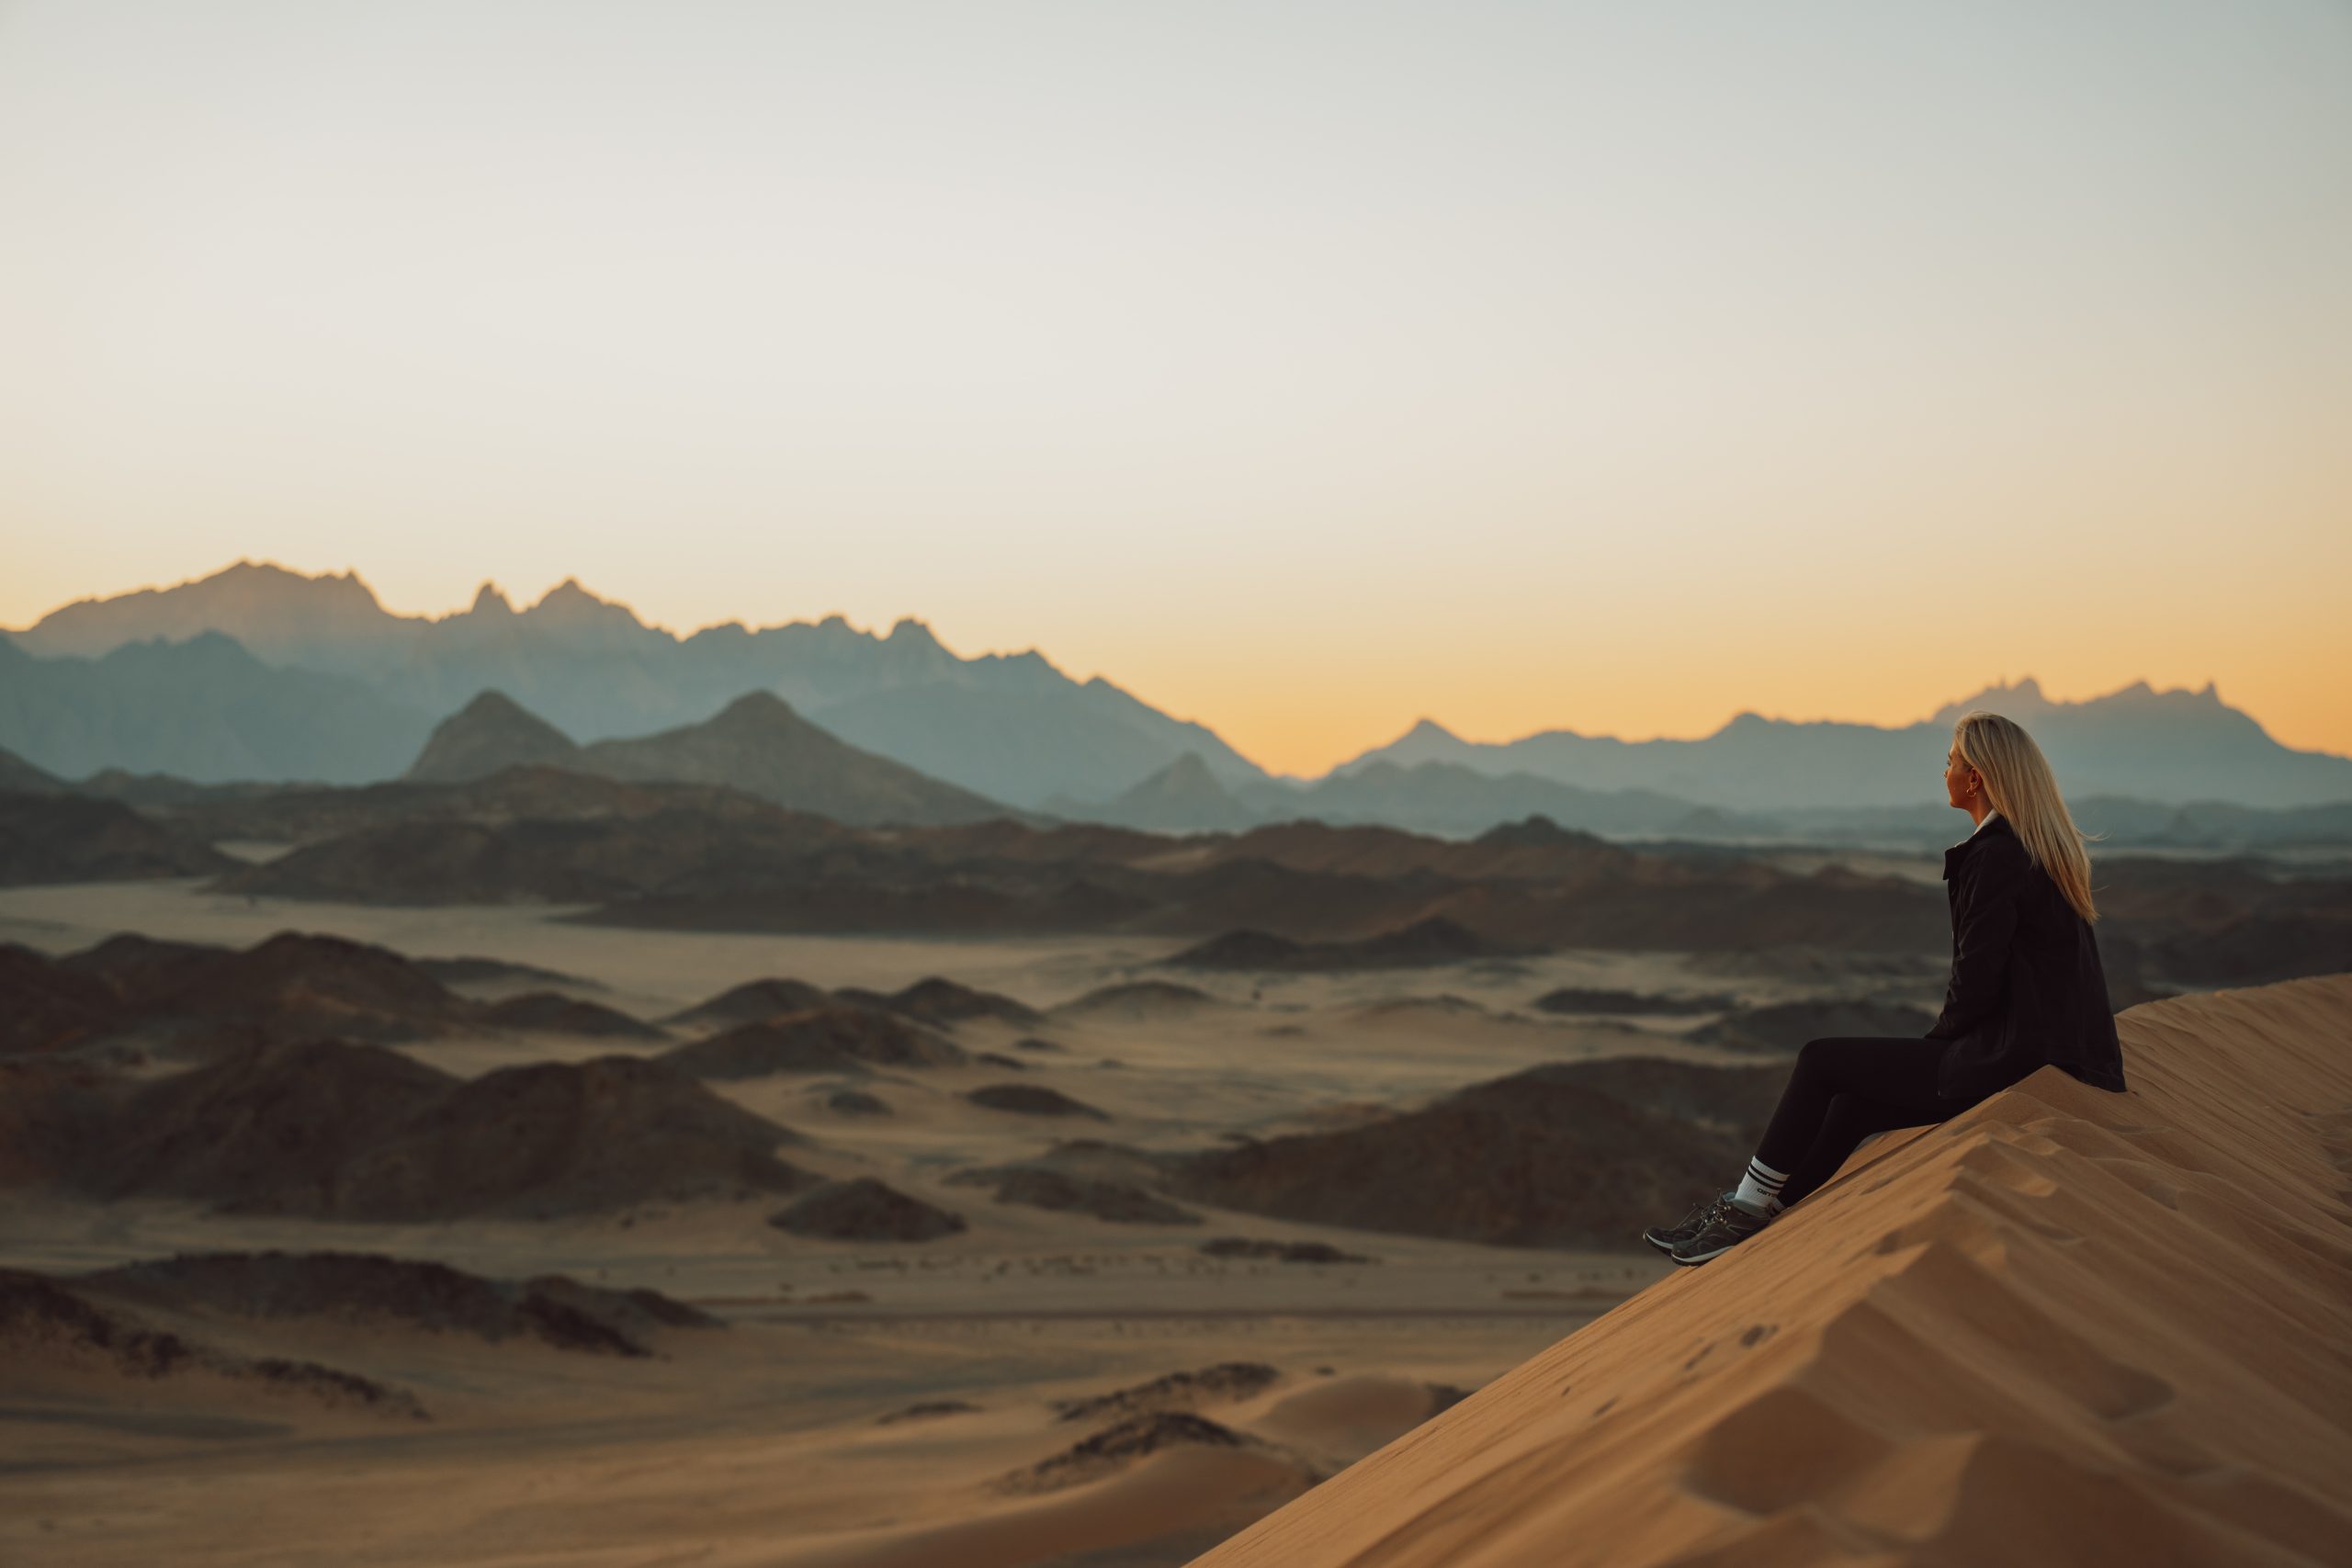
(776, 1441)
(2065, 1326)
(874, 1403)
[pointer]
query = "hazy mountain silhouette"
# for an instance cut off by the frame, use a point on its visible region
(1451, 798)
(2175, 746)
(203, 709)
(1007, 726)
(333, 686)
(20, 777)
(329, 622)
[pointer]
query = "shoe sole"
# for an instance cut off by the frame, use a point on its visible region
(1704, 1257)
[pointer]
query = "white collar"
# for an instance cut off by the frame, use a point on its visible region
(1989, 815)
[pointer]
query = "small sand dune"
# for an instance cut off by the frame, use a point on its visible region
(2065, 1326)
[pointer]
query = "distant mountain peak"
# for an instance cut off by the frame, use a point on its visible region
(2026, 700)
(1185, 796)
(490, 600)
(575, 614)
(758, 706)
(492, 732)
(569, 595)
(1188, 776)
(492, 702)
(1430, 729)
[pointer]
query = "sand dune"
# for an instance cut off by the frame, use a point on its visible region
(2065, 1326)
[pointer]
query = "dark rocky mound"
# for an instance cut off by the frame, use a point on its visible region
(475, 971)
(1139, 999)
(1575, 999)
(71, 838)
(837, 1037)
(310, 982)
(857, 1102)
(511, 811)
(428, 860)
(272, 1129)
(2255, 949)
(752, 1002)
(938, 1000)
(635, 1311)
(492, 732)
(43, 1319)
(182, 996)
(819, 896)
(552, 1012)
(761, 1050)
(2170, 922)
(1224, 1383)
(49, 1008)
(865, 1210)
(1042, 1188)
(1115, 1448)
(999, 1059)
(339, 1131)
(1444, 1003)
(1032, 1042)
(1033, 1100)
(2126, 964)
(1282, 1251)
(1245, 950)
(927, 1408)
(1433, 941)
(39, 1314)
(54, 1113)
(1786, 1026)
(559, 1138)
(362, 1286)
(144, 968)
(1563, 1155)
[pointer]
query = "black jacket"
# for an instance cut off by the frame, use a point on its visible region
(2027, 989)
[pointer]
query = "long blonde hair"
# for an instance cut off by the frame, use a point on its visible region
(2018, 779)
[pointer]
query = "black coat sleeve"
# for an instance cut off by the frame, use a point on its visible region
(1985, 927)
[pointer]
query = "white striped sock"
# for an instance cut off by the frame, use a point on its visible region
(1759, 1189)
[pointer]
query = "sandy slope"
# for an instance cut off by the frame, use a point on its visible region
(2065, 1326)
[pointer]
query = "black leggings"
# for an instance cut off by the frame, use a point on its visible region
(1844, 1089)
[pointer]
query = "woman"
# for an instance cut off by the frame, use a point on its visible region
(2026, 991)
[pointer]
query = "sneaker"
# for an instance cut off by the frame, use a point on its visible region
(1666, 1238)
(1726, 1225)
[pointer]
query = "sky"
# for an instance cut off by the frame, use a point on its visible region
(1306, 369)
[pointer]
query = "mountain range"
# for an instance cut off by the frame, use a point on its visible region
(260, 673)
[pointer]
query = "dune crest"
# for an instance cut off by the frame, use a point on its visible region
(2065, 1326)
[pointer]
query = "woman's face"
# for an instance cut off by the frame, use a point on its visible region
(1962, 783)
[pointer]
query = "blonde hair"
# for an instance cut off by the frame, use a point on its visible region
(2022, 788)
